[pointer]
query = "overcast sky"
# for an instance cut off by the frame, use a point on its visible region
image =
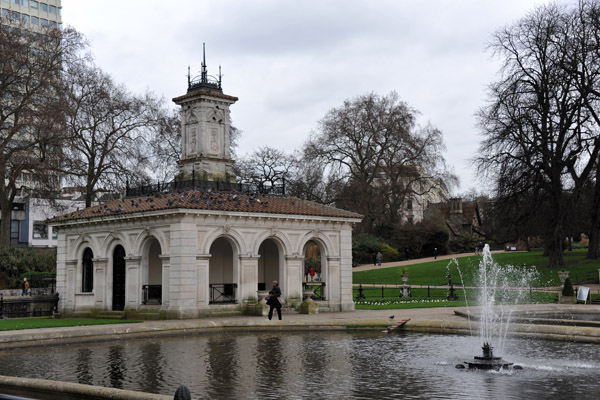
(290, 61)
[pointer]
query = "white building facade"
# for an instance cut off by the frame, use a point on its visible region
(194, 262)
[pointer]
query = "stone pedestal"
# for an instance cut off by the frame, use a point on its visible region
(258, 308)
(308, 306)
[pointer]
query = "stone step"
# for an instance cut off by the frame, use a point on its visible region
(111, 315)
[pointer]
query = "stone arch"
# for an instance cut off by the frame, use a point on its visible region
(142, 237)
(270, 262)
(282, 240)
(322, 268)
(113, 239)
(223, 269)
(324, 242)
(234, 236)
(151, 270)
(83, 241)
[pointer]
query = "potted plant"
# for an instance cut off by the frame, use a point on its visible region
(568, 294)
(404, 275)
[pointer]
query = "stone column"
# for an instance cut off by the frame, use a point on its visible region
(292, 277)
(345, 265)
(166, 270)
(100, 282)
(202, 291)
(133, 281)
(333, 288)
(248, 277)
(68, 295)
(184, 270)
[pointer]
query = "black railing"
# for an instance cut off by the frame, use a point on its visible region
(26, 306)
(174, 186)
(222, 293)
(317, 287)
(152, 294)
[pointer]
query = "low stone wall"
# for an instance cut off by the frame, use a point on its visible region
(53, 390)
(27, 306)
(32, 292)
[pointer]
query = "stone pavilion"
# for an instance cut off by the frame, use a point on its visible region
(202, 245)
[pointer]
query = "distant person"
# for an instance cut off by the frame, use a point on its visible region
(312, 274)
(379, 258)
(374, 259)
(274, 300)
(435, 253)
(24, 287)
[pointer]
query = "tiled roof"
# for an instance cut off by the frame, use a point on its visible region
(208, 200)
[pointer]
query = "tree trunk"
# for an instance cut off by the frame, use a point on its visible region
(5, 225)
(593, 249)
(554, 249)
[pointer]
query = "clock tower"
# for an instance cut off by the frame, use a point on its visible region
(205, 124)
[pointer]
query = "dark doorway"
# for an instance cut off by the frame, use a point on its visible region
(118, 302)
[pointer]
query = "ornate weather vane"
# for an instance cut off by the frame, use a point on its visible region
(204, 81)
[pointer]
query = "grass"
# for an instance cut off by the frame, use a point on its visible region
(463, 272)
(49, 322)
(436, 272)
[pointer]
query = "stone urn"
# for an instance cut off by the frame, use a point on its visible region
(563, 275)
(262, 296)
(307, 293)
(262, 308)
(404, 278)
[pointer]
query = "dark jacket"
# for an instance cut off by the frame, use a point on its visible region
(275, 293)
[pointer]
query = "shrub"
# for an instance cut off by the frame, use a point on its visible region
(568, 288)
(18, 262)
(364, 246)
(389, 253)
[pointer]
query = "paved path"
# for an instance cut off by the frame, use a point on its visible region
(368, 267)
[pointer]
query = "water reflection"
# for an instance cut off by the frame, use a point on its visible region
(295, 365)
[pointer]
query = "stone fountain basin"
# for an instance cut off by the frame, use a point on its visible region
(580, 318)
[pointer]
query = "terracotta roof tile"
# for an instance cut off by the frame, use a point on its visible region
(208, 200)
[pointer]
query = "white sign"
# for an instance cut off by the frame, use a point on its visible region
(582, 293)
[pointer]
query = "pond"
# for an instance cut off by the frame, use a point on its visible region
(274, 365)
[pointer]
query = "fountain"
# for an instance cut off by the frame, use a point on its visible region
(499, 287)
(488, 361)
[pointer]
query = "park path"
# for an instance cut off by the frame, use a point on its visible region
(368, 267)
(594, 288)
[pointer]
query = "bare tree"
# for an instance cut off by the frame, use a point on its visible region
(540, 138)
(165, 147)
(108, 129)
(374, 148)
(265, 167)
(30, 119)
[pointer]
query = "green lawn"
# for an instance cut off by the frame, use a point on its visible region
(463, 273)
(436, 272)
(49, 322)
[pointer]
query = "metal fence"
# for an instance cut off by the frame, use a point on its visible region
(222, 293)
(28, 306)
(174, 186)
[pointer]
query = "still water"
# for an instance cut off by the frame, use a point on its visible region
(299, 365)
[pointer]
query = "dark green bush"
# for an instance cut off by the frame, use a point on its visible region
(568, 288)
(16, 262)
(364, 248)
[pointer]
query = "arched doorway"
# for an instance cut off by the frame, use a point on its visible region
(221, 280)
(87, 271)
(118, 298)
(314, 270)
(268, 264)
(152, 278)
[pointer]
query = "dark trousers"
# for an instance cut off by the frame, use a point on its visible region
(278, 312)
